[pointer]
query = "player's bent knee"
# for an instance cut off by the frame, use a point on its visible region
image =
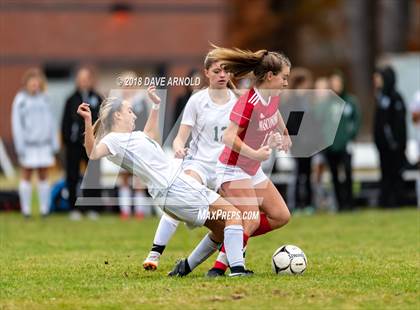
(280, 219)
(251, 225)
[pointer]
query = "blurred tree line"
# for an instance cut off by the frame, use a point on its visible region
(324, 35)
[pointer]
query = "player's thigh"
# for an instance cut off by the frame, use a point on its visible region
(222, 214)
(221, 208)
(242, 195)
(194, 174)
(271, 202)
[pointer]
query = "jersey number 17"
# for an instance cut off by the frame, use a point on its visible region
(218, 133)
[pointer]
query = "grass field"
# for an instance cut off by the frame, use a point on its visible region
(367, 260)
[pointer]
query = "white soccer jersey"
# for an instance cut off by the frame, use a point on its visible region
(208, 121)
(144, 157)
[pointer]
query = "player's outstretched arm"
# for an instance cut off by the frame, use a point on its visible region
(151, 129)
(93, 152)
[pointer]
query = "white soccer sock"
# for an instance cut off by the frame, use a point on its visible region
(233, 242)
(167, 227)
(202, 251)
(141, 203)
(43, 194)
(124, 199)
(25, 195)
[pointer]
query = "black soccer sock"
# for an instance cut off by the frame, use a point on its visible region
(158, 248)
(187, 267)
(237, 269)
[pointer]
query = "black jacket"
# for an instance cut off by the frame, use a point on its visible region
(72, 125)
(390, 129)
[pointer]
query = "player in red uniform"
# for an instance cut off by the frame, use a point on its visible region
(255, 127)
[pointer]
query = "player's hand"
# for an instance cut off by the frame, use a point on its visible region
(263, 153)
(84, 111)
(274, 140)
(151, 91)
(181, 153)
(286, 143)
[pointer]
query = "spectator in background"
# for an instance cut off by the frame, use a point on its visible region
(35, 138)
(319, 164)
(72, 129)
(339, 154)
(390, 134)
(415, 116)
(301, 79)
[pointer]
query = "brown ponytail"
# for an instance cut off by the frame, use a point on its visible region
(241, 62)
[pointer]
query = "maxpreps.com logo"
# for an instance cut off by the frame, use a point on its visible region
(204, 214)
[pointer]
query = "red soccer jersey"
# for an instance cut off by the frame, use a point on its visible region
(259, 118)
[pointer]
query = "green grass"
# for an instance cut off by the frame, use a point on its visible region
(366, 260)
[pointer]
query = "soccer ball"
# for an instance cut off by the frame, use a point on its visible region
(289, 259)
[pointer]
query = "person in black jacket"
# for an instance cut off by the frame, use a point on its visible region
(301, 79)
(339, 154)
(72, 128)
(390, 135)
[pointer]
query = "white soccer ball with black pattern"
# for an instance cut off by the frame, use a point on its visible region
(289, 259)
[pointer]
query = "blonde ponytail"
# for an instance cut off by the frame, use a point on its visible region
(105, 120)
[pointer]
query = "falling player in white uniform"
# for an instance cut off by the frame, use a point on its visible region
(205, 117)
(176, 193)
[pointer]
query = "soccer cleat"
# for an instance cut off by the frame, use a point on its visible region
(240, 271)
(181, 269)
(215, 272)
(152, 261)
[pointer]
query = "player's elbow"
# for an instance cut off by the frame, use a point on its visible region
(93, 156)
